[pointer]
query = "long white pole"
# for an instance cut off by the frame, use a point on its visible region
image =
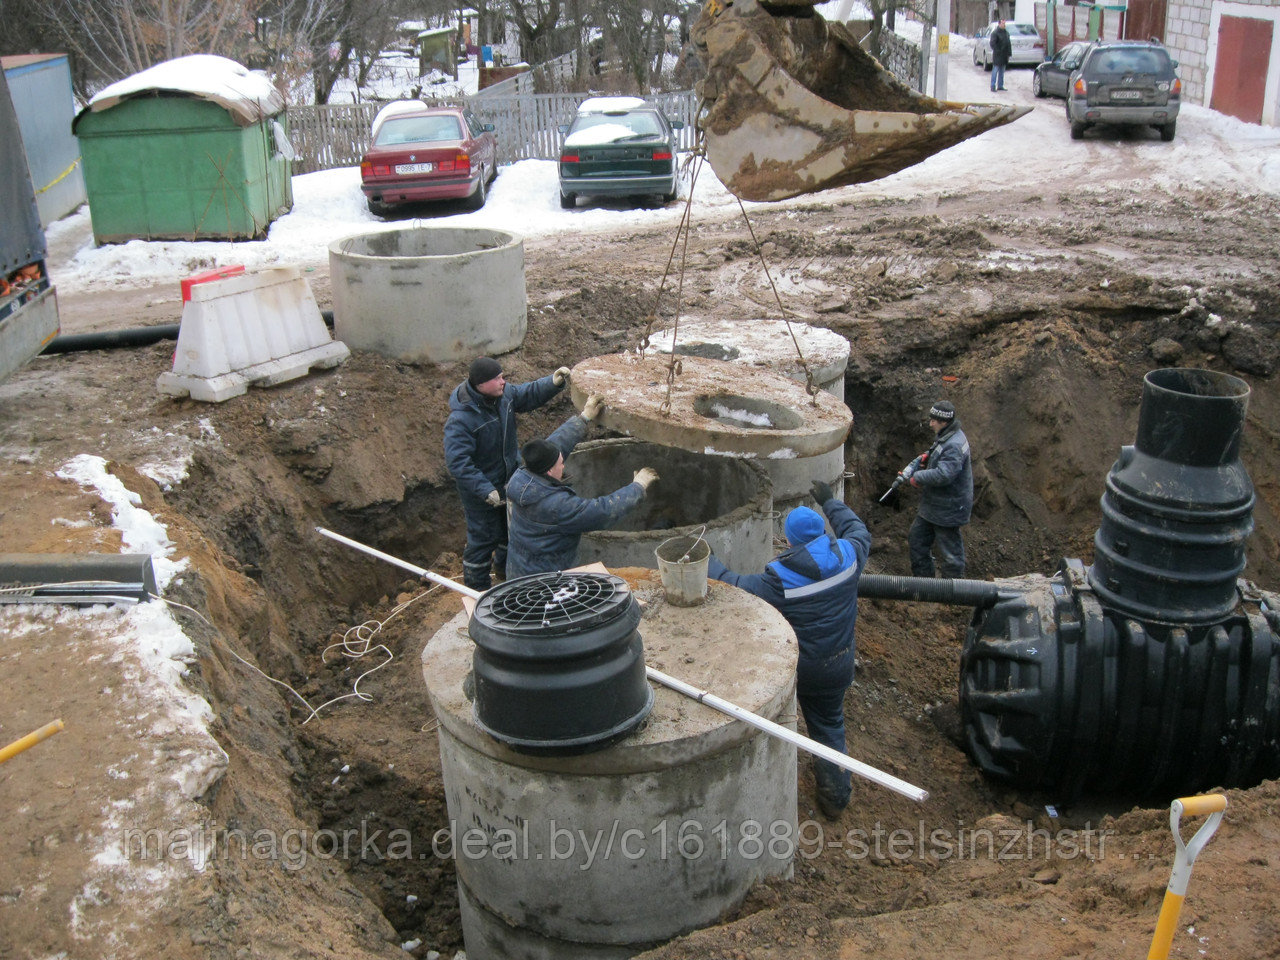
(866, 771)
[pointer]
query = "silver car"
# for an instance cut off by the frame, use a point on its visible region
(1028, 46)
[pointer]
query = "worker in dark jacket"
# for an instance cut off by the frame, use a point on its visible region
(547, 517)
(1001, 51)
(480, 451)
(814, 584)
(944, 474)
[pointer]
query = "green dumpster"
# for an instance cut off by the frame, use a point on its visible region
(192, 149)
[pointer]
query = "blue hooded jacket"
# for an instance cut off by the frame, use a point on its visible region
(480, 443)
(815, 586)
(946, 485)
(546, 518)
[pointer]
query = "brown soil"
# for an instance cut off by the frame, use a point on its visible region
(1038, 322)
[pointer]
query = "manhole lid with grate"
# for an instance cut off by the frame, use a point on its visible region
(553, 604)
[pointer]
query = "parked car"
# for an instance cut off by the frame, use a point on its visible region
(1125, 82)
(1028, 46)
(618, 147)
(1052, 77)
(427, 153)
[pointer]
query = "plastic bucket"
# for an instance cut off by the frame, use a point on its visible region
(682, 562)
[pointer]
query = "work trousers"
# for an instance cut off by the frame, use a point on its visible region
(820, 690)
(923, 537)
(486, 544)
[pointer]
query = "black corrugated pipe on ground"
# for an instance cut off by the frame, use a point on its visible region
(133, 337)
(111, 339)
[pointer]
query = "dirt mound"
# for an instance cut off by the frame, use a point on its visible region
(1038, 323)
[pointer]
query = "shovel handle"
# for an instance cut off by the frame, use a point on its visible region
(1202, 806)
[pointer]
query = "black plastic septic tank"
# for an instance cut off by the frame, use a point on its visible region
(1156, 671)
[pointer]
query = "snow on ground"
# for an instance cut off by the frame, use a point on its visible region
(1211, 151)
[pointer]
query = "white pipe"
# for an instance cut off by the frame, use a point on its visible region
(427, 574)
(866, 771)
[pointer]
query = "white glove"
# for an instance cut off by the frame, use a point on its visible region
(593, 407)
(561, 376)
(494, 499)
(645, 476)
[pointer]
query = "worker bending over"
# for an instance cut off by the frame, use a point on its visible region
(547, 518)
(814, 584)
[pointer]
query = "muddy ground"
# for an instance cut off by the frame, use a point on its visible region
(1038, 321)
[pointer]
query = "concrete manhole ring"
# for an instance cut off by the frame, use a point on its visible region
(717, 407)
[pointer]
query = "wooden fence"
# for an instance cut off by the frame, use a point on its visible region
(527, 126)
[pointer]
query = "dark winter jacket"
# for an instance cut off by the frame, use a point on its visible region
(1001, 47)
(546, 518)
(946, 482)
(480, 444)
(815, 586)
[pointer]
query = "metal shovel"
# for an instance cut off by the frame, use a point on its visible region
(1212, 804)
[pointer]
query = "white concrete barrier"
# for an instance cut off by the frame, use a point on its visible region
(256, 329)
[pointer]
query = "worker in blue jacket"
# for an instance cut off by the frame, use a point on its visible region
(547, 517)
(944, 475)
(814, 584)
(480, 451)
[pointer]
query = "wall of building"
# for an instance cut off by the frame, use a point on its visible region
(1190, 34)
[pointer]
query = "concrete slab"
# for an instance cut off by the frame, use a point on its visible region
(717, 408)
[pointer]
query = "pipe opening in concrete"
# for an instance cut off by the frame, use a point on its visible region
(724, 500)
(425, 242)
(747, 413)
(709, 351)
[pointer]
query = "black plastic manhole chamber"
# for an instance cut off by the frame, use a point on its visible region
(559, 664)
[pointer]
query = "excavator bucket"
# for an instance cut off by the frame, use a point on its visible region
(792, 104)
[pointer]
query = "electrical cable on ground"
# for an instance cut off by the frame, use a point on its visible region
(356, 643)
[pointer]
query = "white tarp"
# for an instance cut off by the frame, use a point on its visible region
(247, 94)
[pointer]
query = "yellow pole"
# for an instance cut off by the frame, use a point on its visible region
(30, 740)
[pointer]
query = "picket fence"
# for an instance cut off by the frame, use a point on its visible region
(527, 126)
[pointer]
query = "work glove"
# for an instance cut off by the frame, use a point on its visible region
(593, 407)
(821, 492)
(494, 499)
(645, 476)
(561, 376)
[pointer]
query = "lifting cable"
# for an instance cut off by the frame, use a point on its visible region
(681, 243)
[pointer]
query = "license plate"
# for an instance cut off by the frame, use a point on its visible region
(403, 168)
(1126, 94)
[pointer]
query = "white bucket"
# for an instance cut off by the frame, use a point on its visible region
(682, 562)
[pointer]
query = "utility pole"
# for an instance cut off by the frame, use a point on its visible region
(944, 49)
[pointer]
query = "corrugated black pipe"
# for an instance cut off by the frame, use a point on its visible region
(963, 593)
(134, 337)
(111, 339)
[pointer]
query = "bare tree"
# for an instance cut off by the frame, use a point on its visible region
(110, 39)
(538, 22)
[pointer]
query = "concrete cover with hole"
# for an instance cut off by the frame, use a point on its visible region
(716, 407)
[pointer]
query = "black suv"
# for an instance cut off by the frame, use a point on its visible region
(1125, 82)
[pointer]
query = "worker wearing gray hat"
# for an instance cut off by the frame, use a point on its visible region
(944, 476)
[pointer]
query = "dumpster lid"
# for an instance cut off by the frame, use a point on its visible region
(247, 94)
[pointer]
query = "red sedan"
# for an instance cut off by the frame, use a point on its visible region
(427, 153)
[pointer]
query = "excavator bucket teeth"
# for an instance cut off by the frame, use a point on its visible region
(792, 104)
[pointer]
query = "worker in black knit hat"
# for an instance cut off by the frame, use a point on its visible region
(548, 518)
(480, 451)
(944, 476)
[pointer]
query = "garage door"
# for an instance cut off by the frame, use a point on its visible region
(1240, 69)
